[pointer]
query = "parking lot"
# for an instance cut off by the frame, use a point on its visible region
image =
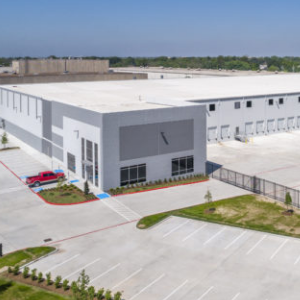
(274, 157)
(182, 259)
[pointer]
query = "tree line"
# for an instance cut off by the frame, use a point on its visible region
(273, 63)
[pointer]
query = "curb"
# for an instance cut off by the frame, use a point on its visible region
(160, 188)
(33, 261)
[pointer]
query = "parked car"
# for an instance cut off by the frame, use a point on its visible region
(44, 177)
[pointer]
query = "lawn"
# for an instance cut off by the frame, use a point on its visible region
(249, 211)
(11, 290)
(66, 194)
(22, 257)
(157, 184)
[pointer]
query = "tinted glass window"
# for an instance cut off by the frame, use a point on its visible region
(271, 101)
(212, 107)
(133, 174)
(237, 105)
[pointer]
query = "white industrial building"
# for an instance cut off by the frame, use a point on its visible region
(115, 133)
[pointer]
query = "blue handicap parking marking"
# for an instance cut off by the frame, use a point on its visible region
(103, 196)
(58, 171)
(73, 181)
(38, 190)
(23, 177)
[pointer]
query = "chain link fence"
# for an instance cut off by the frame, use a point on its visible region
(252, 183)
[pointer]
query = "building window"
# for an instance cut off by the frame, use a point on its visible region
(133, 174)
(71, 162)
(182, 165)
(281, 101)
(96, 164)
(212, 107)
(249, 104)
(299, 99)
(237, 105)
(89, 151)
(271, 101)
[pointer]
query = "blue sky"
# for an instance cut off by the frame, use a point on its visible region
(149, 28)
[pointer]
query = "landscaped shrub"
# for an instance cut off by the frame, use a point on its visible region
(91, 292)
(117, 296)
(33, 274)
(25, 272)
(65, 284)
(74, 287)
(100, 294)
(108, 295)
(57, 281)
(40, 277)
(48, 278)
(86, 188)
(9, 270)
(16, 270)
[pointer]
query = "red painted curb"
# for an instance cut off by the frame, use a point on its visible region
(59, 204)
(160, 188)
(90, 232)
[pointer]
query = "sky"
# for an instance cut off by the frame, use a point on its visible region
(149, 27)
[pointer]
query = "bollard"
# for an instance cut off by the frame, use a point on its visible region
(1, 254)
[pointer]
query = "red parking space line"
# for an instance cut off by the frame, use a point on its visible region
(12, 172)
(90, 232)
(277, 169)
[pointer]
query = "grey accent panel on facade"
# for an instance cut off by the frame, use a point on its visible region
(57, 139)
(47, 119)
(25, 136)
(154, 139)
(60, 110)
(58, 153)
(47, 147)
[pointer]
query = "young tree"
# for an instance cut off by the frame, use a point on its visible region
(288, 200)
(25, 272)
(80, 291)
(91, 293)
(65, 284)
(117, 296)
(108, 295)
(100, 294)
(33, 274)
(208, 196)
(86, 188)
(4, 139)
(57, 281)
(48, 278)
(40, 277)
(59, 182)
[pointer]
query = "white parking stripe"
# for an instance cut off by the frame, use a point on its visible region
(206, 293)
(211, 238)
(146, 287)
(236, 296)
(297, 260)
(278, 249)
(109, 270)
(174, 229)
(58, 265)
(82, 268)
(194, 232)
(256, 244)
(235, 240)
(176, 290)
(127, 278)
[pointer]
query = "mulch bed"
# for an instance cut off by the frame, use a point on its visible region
(42, 285)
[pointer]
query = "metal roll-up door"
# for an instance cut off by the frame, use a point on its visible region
(280, 124)
(249, 128)
(259, 127)
(271, 125)
(212, 133)
(225, 132)
(290, 123)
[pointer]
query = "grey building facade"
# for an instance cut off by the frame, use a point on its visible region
(110, 149)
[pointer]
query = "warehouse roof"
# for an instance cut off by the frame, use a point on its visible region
(113, 96)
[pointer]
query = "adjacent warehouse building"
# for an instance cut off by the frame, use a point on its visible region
(115, 133)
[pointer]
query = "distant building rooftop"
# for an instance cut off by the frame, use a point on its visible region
(119, 96)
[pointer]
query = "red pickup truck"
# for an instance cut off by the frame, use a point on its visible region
(44, 177)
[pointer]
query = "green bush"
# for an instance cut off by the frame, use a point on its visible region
(9, 270)
(48, 278)
(65, 284)
(16, 270)
(57, 281)
(25, 272)
(91, 292)
(117, 296)
(108, 295)
(33, 274)
(40, 277)
(99, 294)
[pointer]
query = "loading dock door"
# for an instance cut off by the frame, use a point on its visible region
(290, 123)
(260, 127)
(225, 132)
(271, 125)
(212, 134)
(280, 124)
(249, 128)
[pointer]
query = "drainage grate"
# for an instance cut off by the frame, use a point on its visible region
(47, 240)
